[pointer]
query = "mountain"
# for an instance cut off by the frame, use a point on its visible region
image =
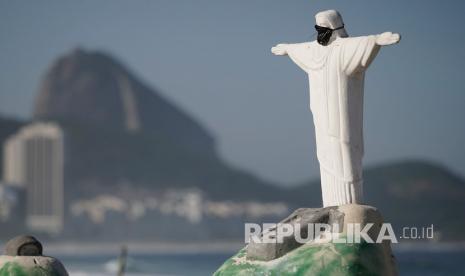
(413, 193)
(123, 135)
(91, 87)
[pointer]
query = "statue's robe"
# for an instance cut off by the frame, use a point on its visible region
(336, 76)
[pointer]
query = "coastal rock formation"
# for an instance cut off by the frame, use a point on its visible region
(319, 257)
(23, 256)
(23, 246)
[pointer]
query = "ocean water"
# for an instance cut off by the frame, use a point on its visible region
(410, 262)
(431, 262)
(146, 264)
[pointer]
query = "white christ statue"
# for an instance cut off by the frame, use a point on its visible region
(336, 65)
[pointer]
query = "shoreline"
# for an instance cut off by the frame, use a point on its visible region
(226, 247)
(105, 248)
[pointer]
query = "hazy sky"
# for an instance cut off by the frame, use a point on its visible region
(213, 59)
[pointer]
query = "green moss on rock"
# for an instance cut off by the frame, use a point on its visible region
(314, 259)
(15, 269)
(12, 268)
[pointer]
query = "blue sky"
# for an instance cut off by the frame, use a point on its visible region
(213, 59)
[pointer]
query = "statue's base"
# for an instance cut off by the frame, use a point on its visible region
(318, 257)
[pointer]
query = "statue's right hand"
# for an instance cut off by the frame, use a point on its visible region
(387, 38)
(279, 50)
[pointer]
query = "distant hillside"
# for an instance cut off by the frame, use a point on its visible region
(409, 193)
(100, 159)
(413, 193)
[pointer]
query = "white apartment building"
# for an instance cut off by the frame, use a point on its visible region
(33, 158)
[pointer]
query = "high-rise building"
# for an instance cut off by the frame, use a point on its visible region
(33, 158)
(13, 165)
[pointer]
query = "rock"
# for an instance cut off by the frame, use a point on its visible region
(300, 217)
(329, 259)
(318, 258)
(23, 257)
(363, 214)
(23, 246)
(31, 265)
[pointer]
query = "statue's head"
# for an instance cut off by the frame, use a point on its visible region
(329, 25)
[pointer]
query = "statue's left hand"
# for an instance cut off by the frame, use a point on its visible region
(387, 38)
(279, 50)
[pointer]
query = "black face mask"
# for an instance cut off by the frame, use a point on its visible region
(324, 34)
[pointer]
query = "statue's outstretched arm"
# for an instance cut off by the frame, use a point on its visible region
(387, 38)
(279, 50)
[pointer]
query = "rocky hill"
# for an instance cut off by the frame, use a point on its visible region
(94, 88)
(120, 132)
